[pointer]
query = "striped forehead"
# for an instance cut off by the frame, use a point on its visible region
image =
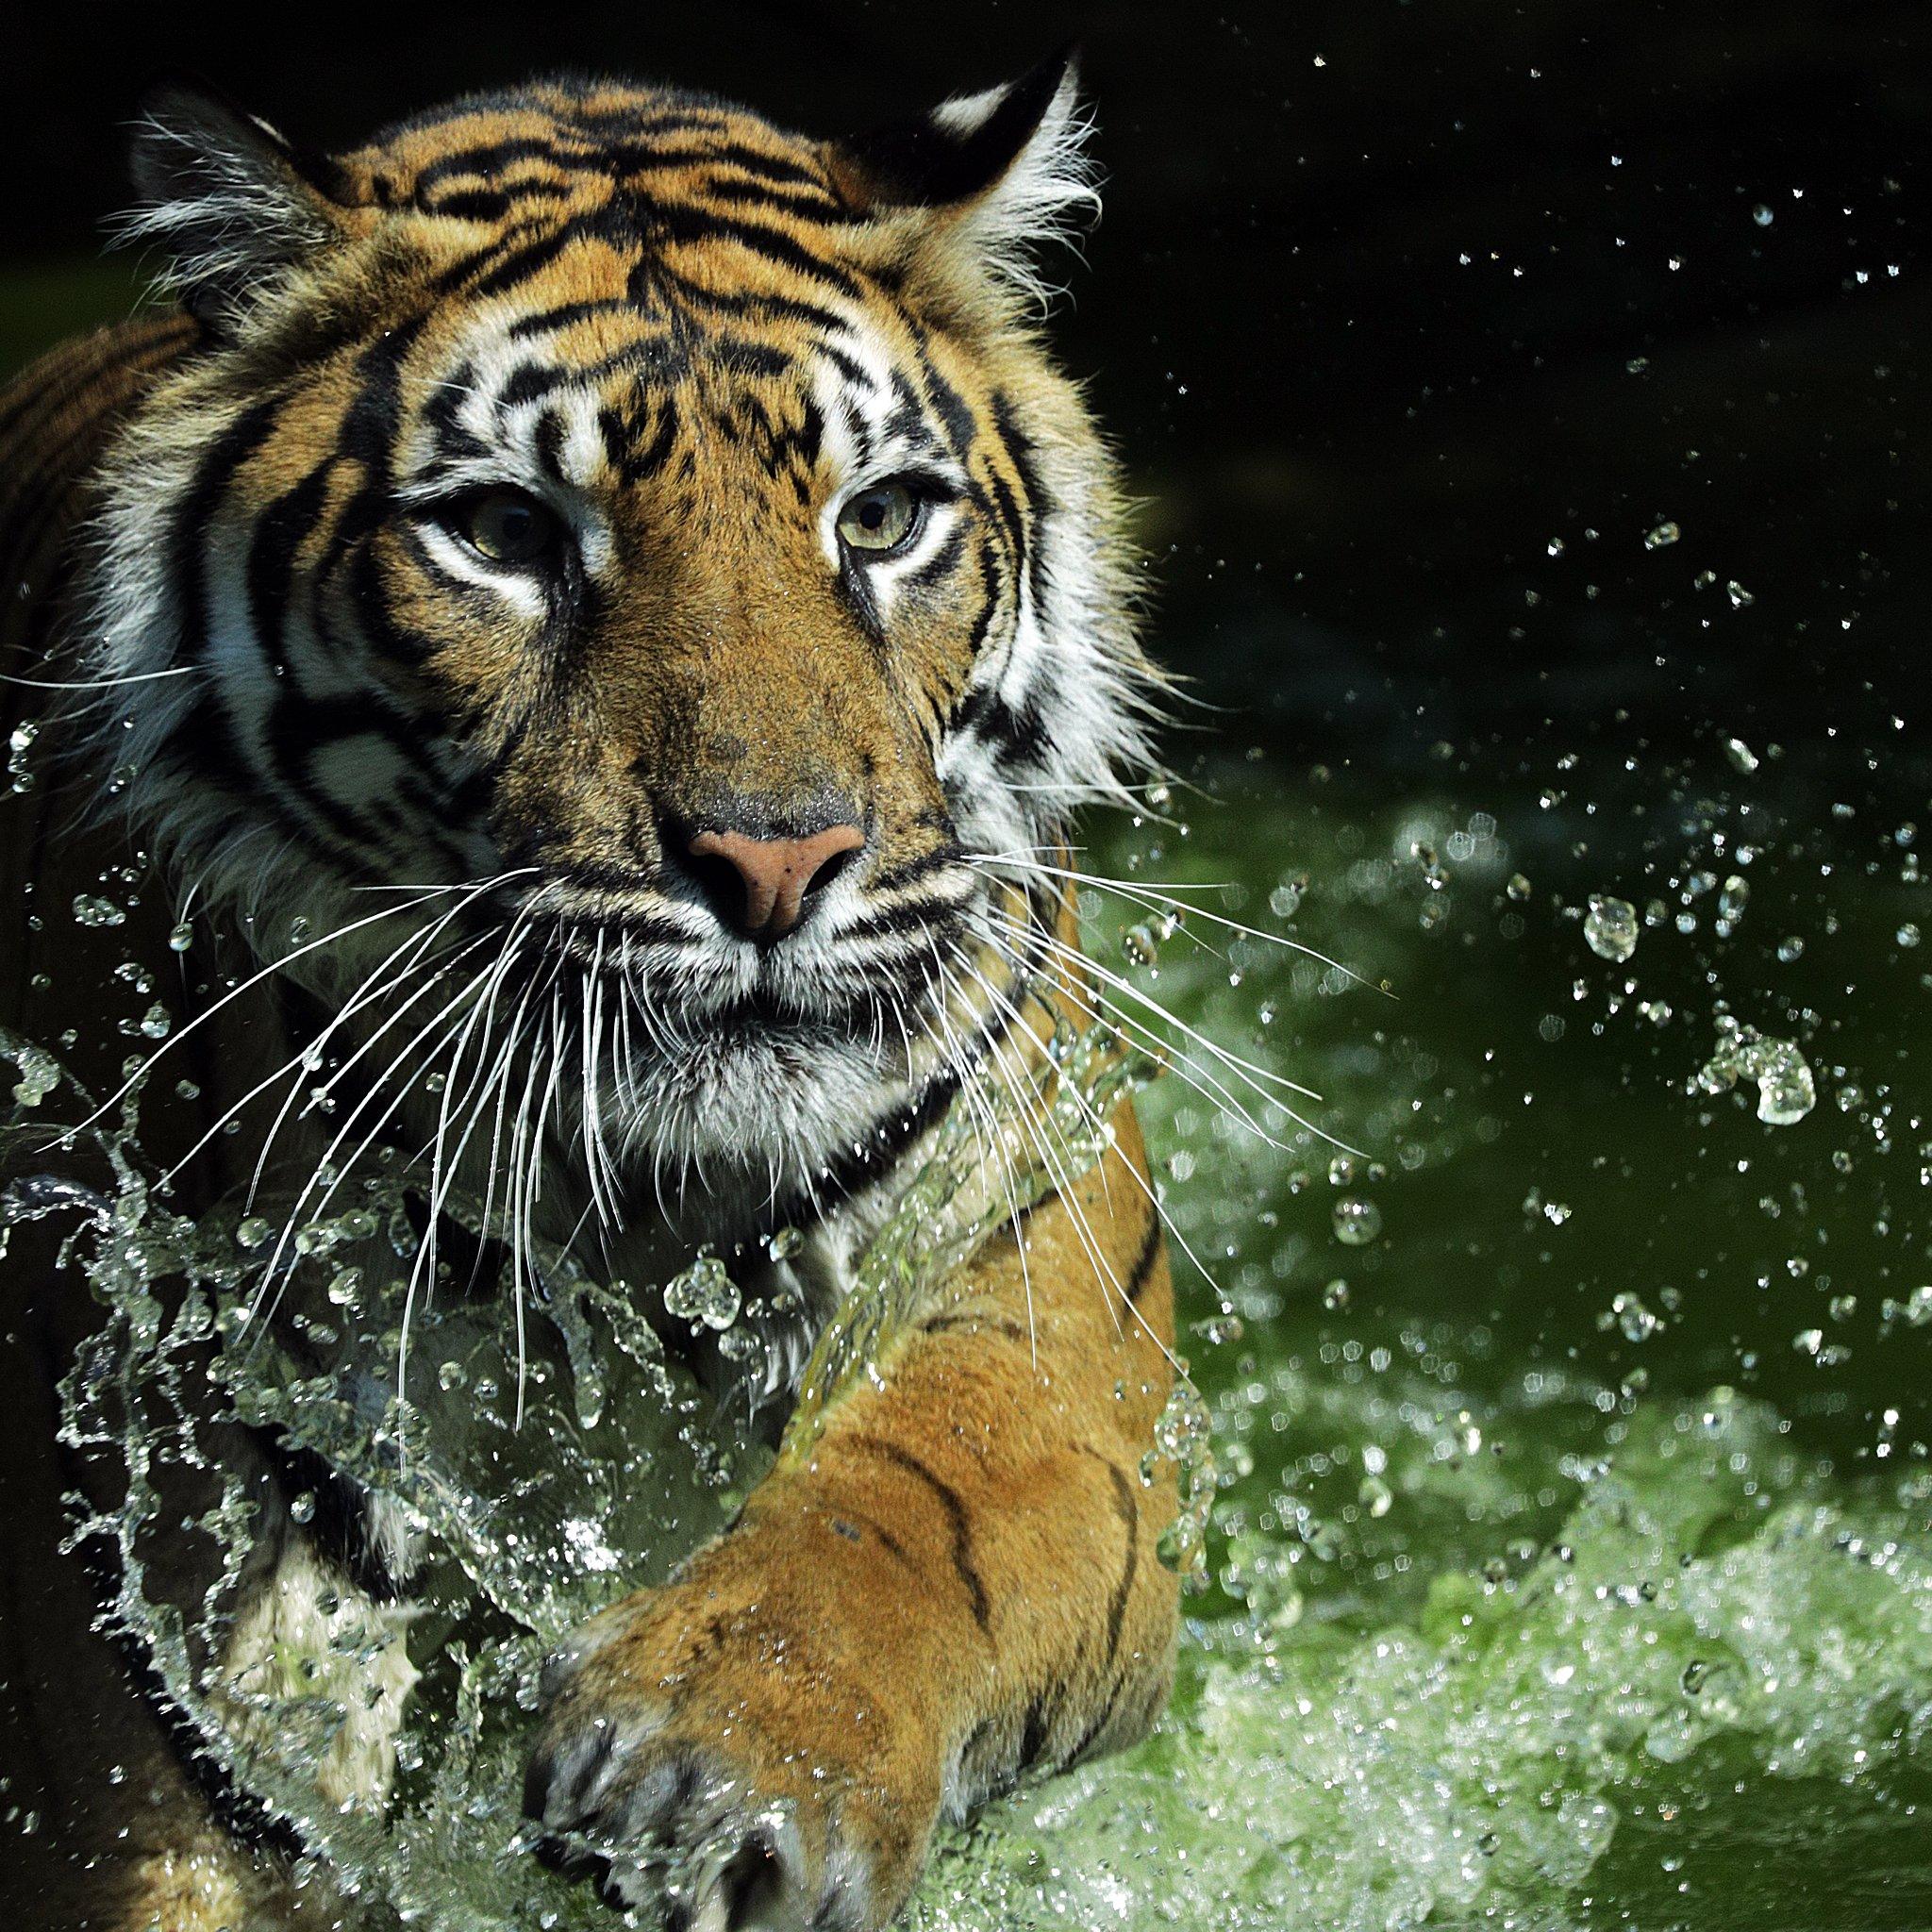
(615, 396)
(558, 150)
(630, 276)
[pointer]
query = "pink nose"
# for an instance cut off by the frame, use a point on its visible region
(760, 885)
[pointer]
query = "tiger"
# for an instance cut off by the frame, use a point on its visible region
(653, 557)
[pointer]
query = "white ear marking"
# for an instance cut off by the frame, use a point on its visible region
(1047, 196)
(1050, 193)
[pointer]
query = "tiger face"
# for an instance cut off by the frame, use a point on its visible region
(661, 537)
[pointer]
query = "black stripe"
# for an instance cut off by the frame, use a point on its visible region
(1142, 1269)
(279, 533)
(1034, 1733)
(339, 1526)
(1020, 446)
(995, 588)
(724, 154)
(807, 205)
(241, 441)
(955, 418)
(547, 320)
(935, 860)
(658, 354)
(936, 918)
(950, 1501)
(520, 250)
(940, 564)
(749, 302)
(672, 224)
(869, 1160)
(947, 1325)
(1016, 733)
(486, 162)
(620, 432)
(848, 1522)
(1129, 1514)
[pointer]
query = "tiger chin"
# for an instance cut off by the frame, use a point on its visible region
(596, 602)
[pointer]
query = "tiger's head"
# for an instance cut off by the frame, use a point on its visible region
(663, 536)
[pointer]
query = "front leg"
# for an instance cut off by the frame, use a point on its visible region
(956, 1583)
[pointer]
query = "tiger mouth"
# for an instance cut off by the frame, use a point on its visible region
(762, 1017)
(705, 1001)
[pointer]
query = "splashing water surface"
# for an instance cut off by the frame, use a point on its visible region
(1571, 1551)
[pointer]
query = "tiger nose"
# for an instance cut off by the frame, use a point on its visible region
(759, 886)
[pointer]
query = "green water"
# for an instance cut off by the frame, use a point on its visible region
(1575, 1551)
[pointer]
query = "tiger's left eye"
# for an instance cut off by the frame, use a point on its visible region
(508, 527)
(879, 519)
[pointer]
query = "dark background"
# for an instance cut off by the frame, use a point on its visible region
(1390, 301)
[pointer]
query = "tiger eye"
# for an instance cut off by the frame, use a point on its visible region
(508, 527)
(879, 519)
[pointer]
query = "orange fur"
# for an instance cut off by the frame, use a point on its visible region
(956, 1583)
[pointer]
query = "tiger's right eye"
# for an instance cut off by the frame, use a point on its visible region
(505, 527)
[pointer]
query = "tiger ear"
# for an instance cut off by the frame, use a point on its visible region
(225, 195)
(1002, 176)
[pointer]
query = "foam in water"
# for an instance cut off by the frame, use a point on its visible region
(1708, 1595)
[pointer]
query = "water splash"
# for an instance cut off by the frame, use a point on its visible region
(1786, 1090)
(1696, 1606)
(515, 1464)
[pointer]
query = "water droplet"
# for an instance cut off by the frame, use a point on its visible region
(1631, 1318)
(1786, 1090)
(1286, 899)
(18, 745)
(1610, 930)
(1218, 1329)
(89, 909)
(40, 1071)
(704, 1295)
(1358, 1220)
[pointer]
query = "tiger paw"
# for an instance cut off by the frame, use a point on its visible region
(709, 1753)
